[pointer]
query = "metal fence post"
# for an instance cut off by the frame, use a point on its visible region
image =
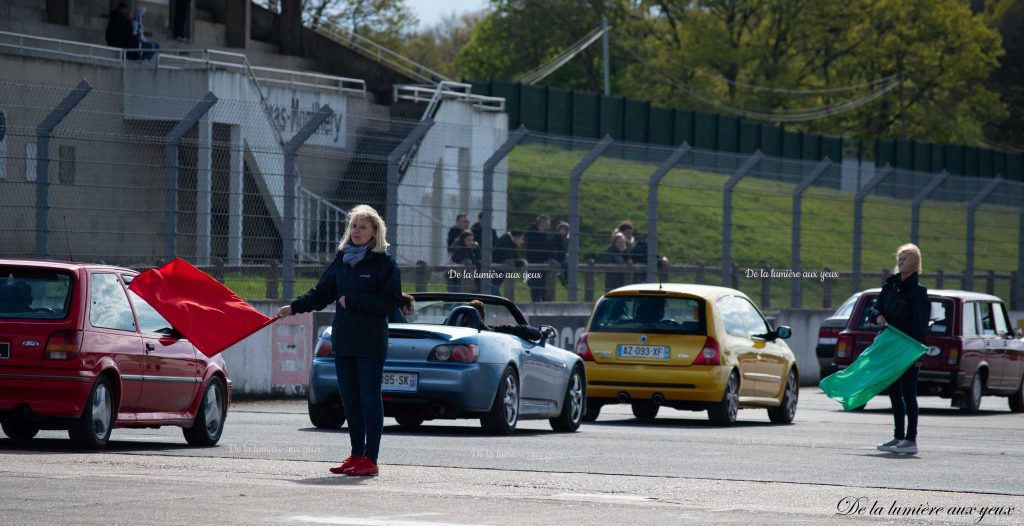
(487, 242)
(795, 295)
(919, 199)
(1019, 284)
(171, 171)
(394, 159)
(291, 182)
(749, 165)
(574, 211)
(858, 217)
(652, 208)
(43, 132)
(972, 208)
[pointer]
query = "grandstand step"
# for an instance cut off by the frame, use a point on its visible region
(273, 60)
(209, 34)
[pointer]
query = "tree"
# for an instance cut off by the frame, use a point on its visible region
(718, 49)
(518, 36)
(386, 21)
(437, 47)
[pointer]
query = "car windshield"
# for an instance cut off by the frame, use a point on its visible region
(34, 293)
(437, 311)
(658, 314)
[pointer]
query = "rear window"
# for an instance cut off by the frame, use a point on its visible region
(656, 314)
(34, 293)
(940, 319)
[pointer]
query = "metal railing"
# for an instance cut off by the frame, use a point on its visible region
(380, 54)
(21, 44)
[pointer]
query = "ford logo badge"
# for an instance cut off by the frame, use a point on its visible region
(934, 351)
(30, 343)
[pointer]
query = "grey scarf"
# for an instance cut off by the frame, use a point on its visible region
(352, 254)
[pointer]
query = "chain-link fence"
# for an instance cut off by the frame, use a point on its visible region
(257, 193)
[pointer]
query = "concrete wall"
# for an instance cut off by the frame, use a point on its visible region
(276, 360)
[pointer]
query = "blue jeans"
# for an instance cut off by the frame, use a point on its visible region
(903, 395)
(359, 380)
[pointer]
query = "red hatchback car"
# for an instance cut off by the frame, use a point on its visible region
(972, 350)
(79, 351)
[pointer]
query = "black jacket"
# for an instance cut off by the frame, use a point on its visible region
(372, 290)
(119, 31)
(905, 305)
(614, 279)
(505, 249)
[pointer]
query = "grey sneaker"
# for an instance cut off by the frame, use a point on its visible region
(908, 447)
(888, 445)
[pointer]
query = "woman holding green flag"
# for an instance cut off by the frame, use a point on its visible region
(903, 303)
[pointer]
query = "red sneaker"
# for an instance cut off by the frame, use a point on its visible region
(364, 467)
(352, 460)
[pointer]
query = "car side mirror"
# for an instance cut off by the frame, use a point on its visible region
(783, 332)
(549, 333)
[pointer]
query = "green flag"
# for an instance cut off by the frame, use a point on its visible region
(891, 354)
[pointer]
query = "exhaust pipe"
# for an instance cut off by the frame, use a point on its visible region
(623, 396)
(658, 398)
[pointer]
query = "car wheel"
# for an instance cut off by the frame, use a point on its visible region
(724, 413)
(972, 400)
(786, 411)
(1017, 400)
(409, 422)
(645, 410)
(329, 414)
(572, 407)
(593, 410)
(92, 429)
(504, 413)
(18, 429)
(209, 422)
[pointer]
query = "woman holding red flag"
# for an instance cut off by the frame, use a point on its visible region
(365, 283)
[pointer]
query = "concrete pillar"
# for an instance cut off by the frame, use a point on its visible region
(204, 189)
(236, 185)
(237, 23)
(291, 27)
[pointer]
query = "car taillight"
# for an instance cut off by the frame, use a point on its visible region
(463, 353)
(583, 348)
(324, 347)
(709, 354)
(828, 336)
(952, 354)
(844, 345)
(63, 345)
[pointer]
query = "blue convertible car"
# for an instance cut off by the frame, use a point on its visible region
(445, 362)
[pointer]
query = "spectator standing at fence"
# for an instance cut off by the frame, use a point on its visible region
(461, 225)
(364, 283)
(506, 252)
(903, 303)
(478, 227)
(617, 254)
(119, 28)
(539, 250)
(139, 34)
(562, 256)
(626, 229)
(465, 249)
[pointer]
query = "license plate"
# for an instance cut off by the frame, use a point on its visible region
(401, 382)
(650, 352)
(5, 351)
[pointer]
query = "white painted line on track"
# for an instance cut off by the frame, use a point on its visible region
(359, 521)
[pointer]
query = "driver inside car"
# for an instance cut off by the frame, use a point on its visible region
(526, 332)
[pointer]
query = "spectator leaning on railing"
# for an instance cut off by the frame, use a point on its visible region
(119, 28)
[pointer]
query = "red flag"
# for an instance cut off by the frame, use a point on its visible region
(206, 312)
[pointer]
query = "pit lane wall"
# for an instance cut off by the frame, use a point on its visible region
(275, 361)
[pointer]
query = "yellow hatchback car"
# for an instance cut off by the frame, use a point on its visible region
(689, 347)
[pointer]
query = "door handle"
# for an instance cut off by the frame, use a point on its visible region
(150, 347)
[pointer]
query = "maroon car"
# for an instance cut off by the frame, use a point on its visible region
(79, 351)
(972, 350)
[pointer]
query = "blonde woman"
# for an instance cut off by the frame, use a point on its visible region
(903, 303)
(365, 283)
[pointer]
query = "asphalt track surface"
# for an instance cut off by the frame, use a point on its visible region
(271, 465)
